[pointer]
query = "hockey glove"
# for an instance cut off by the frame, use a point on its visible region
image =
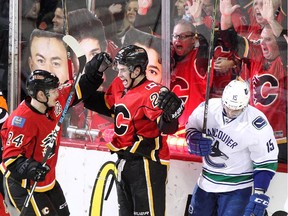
(172, 105)
(36, 171)
(98, 64)
(198, 144)
(257, 205)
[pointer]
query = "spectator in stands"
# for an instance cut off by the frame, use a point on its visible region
(267, 73)
(48, 52)
(30, 12)
(226, 65)
(46, 14)
(262, 13)
(180, 9)
(152, 45)
(131, 10)
(89, 32)
(115, 7)
(109, 24)
(188, 78)
(148, 18)
(60, 24)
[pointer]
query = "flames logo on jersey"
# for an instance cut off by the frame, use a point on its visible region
(49, 144)
(122, 118)
(181, 88)
(265, 89)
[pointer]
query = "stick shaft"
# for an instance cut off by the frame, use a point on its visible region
(210, 64)
(75, 46)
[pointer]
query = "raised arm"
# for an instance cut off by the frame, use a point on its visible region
(268, 13)
(195, 10)
(226, 9)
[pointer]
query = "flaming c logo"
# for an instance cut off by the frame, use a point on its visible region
(265, 89)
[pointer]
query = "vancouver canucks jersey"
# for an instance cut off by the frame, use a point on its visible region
(240, 146)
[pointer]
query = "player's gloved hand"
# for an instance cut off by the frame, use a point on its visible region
(257, 205)
(36, 171)
(172, 105)
(97, 65)
(199, 144)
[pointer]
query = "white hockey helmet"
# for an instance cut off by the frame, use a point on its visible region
(236, 95)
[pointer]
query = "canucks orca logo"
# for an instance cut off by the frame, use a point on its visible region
(216, 152)
(265, 89)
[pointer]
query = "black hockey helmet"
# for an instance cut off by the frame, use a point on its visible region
(132, 56)
(41, 80)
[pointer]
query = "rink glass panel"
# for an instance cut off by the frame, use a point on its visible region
(82, 125)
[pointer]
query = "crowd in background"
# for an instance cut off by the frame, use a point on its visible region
(248, 42)
(260, 59)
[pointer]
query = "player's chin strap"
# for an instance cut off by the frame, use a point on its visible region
(133, 79)
(75, 46)
(46, 102)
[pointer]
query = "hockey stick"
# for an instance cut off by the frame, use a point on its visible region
(210, 60)
(75, 46)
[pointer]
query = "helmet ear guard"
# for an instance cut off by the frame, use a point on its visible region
(41, 80)
(236, 95)
(132, 56)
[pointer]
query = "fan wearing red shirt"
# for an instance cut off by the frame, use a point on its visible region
(267, 76)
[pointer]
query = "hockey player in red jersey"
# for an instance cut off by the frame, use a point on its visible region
(143, 110)
(26, 134)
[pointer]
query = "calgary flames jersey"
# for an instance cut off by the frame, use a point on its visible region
(135, 120)
(27, 133)
(188, 84)
(268, 90)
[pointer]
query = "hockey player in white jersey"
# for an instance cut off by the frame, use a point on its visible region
(239, 154)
